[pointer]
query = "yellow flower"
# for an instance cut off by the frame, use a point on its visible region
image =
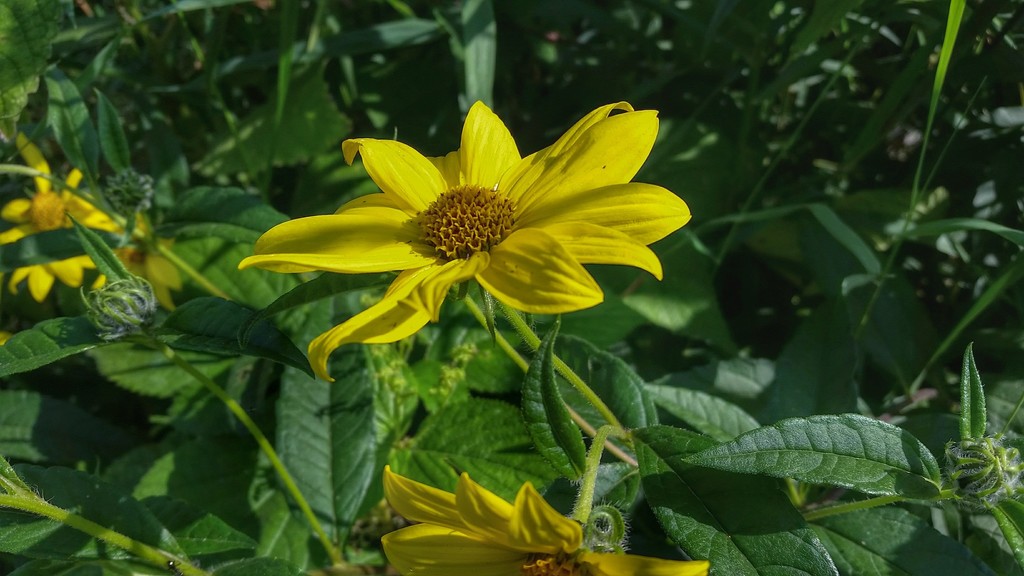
(521, 227)
(475, 533)
(4, 337)
(44, 212)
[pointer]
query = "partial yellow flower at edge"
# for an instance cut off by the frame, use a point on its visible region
(521, 227)
(45, 211)
(4, 337)
(473, 532)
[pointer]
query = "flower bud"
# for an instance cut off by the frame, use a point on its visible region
(605, 530)
(129, 192)
(983, 472)
(122, 307)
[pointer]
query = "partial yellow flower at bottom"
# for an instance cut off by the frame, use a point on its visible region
(521, 227)
(45, 211)
(473, 532)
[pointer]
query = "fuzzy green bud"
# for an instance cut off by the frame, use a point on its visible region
(982, 471)
(129, 192)
(605, 530)
(122, 307)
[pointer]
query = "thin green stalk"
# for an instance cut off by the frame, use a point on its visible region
(196, 275)
(533, 341)
(585, 500)
(848, 507)
(154, 556)
(261, 440)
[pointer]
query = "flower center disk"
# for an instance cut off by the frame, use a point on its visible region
(465, 220)
(47, 211)
(547, 565)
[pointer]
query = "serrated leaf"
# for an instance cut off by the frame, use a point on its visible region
(282, 534)
(1009, 514)
(197, 532)
(907, 545)
(718, 418)
(47, 246)
(845, 450)
(484, 437)
(106, 261)
(618, 385)
(72, 126)
(326, 437)
(973, 416)
(27, 29)
(212, 325)
(113, 142)
(229, 213)
(37, 428)
(150, 373)
(88, 496)
(47, 342)
(554, 433)
(709, 514)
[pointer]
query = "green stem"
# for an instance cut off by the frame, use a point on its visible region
(210, 287)
(332, 551)
(585, 500)
(154, 556)
(563, 369)
(850, 507)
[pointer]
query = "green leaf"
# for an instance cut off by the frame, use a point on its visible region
(484, 437)
(258, 567)
(326, 437)
(554, 433)
(230, 213)
(88, 496)
(742, 524)
(37, 428)
(479, 45)
(973, 416)
(217, 259)
(27, 29)
(846, 450)
(824, 17)
(282, 534)
(72, 126)
(87, 568)
(10, 482)
(908, 545)
(718, 418)
(212, 325)
(149, 373)
(196, 531)
(1009, 514)
(113, 142)
(47, 246)
(938, 227)
(106, 261)
(47, 342)
(611, 379)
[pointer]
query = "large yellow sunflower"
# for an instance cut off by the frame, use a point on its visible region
(44, 211)
(475, 533)
(521, 227)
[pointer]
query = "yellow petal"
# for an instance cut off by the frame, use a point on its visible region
(421, 503)
(539, 527)
(159, 270)
(530, 271)
(593, 244)
(631, 565)
(17, 276)
(16, 233)
(389, 320)
(69, 271)
(409, 179)
(375, 240)
(450, 168)
(87, 214)
(645, 212)
(428, 550)
(74, 178)
(431, 293)
(486, 514)
(608, 152)
(487, 149)
(568, 140)
(34, 159)
(39, 282)
(17, 210)
(369, 201)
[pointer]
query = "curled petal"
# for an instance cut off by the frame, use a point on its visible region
(539, 527)
(487, 149)
(421, 503)
(645, 212)
(432, 291)
(428, 550)
(608, 152)
(532, 272)
(375, 240)
(593, 244)
(34, 159)
(402, 173)
(631, 565)
(486, 515)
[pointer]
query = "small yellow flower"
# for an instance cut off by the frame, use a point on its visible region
(521, 227)
(4, 337)
(45, 211)
(475, 533)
